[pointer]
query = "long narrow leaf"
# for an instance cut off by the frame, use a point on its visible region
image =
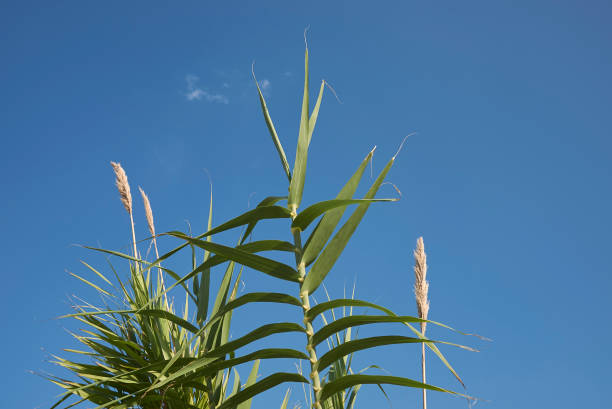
(315, 113)
(272, 130)
(348, 381)
(329, 221)
(250, 381)
(349, 347)
(320, 308)
(259, 213)
(299, 168)
(268, 201)
(308, 215)
(355, 320)
(261, 386)
(332, 251)
(259, 333)
(265, 265)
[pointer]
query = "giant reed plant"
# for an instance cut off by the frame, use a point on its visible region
(145, 355)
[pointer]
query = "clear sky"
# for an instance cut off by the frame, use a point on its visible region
(507, 178)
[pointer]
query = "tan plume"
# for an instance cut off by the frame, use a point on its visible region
(151, 224)
(421, 285)
(421, 288)
(148, 211)
(123, 186)
(121, 180)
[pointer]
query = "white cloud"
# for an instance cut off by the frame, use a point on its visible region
(196, 93)
(265, 85)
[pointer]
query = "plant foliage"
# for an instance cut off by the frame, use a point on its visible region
(144, 354)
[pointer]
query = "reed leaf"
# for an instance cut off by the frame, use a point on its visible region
(261, 386)
(296, 186)
(308, 215)
(330, 220)
(332, 251)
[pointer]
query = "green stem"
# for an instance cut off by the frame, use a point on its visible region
(423, 373)
(304, 297)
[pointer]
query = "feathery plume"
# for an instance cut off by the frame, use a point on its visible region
(123, 186)
(148, 212)
(421, 285)
(421, 288)
(121, 180)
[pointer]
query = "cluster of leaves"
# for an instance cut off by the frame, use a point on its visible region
(145, 355)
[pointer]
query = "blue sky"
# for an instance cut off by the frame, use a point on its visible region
(507, 177)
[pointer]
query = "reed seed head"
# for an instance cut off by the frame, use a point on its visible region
(421, 285)
(123, 186)
(148, 211)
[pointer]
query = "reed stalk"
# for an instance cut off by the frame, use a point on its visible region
(421, 288)
(305, 298)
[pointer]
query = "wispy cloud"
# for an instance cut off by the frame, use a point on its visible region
(195, 93)
(265, 85)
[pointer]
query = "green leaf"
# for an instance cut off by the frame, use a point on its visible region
(250, 381)
(271, 200)
(96, 272)
(206, 368)
(299, 168)
(167, 315)
(203, 285)
(259, 333)
(259, 213)
(355, 320)
(279, 298)
(352, 380)
(261, 386)
(273, 134)
(149, 265)
(195, 364)
(315, 113)
(253, 247)
(308, 215)
(91, 284)
(268, 201)
(349, 347)
(265, 265)
(203, 296)
(236, 386)
(267, 245)
(217, 329)
(328, 223)
(332, 251)
(320, 308)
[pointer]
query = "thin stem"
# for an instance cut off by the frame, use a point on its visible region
(133, 235)
(423, 373)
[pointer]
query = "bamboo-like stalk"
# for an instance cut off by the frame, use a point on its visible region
(304, 297)
(123, 186)
(421, 288)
